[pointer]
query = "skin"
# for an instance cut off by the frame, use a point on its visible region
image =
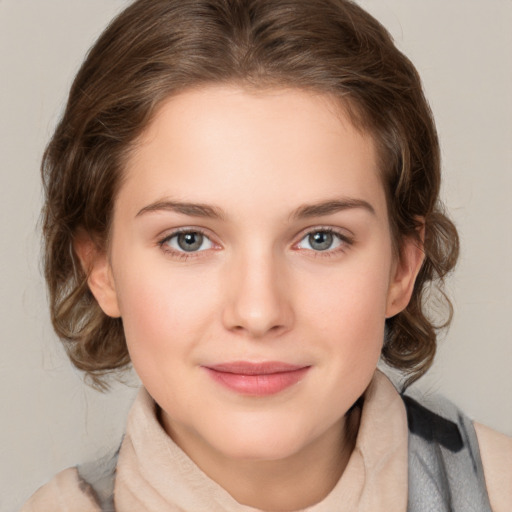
(256, 289)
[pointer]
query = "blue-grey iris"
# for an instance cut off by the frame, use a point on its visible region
(190, 241)
(320, 240)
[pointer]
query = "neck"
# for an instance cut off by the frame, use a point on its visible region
(289, 484)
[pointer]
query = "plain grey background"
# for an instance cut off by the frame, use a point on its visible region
(462, 49)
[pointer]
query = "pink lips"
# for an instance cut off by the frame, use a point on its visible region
(257, 379)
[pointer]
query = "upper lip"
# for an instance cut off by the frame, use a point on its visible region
(255, 368)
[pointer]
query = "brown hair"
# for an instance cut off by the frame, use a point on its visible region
(156, 48)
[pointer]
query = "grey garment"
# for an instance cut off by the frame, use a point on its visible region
(100, 475)
(445, 468)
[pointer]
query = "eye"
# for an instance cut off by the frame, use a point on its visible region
(187, 241)
(322, 240)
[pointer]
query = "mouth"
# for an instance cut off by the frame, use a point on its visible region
(257, 379)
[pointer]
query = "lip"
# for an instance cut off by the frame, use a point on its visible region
(257, 379)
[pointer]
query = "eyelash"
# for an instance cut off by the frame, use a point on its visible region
(346, 242)
(181, 255)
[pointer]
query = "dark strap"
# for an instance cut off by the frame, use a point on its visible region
(445, 468)
(100, 476)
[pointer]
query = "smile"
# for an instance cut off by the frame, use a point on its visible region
(257, 379)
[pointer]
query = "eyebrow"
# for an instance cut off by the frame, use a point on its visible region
(329, 207)
(302, 212)
(190, 209)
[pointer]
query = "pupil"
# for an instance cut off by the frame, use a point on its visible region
(190, 241)
(321, 240)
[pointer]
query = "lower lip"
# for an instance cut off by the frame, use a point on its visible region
(258, 385)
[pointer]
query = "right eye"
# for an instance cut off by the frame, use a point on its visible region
(187, 241)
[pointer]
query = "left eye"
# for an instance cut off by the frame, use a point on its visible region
(189, 241)
(321, 240)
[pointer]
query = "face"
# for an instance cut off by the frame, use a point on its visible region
(251, 262)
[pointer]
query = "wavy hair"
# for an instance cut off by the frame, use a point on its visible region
(155, 49)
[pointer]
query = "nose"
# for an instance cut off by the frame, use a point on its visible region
(258, 301)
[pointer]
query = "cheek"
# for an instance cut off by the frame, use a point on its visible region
(348, 310)
(164, 314)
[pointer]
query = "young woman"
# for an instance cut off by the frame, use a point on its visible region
(242, 202)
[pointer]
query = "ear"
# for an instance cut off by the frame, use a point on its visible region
(404, 273)
(96, 265)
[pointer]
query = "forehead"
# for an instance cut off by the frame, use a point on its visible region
(221, 143)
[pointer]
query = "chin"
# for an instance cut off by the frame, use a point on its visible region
(261, 440)
(255, 450)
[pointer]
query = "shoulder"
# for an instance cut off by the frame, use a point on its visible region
(496, 453)
(66, 492)
(444, 458)
(468, 457)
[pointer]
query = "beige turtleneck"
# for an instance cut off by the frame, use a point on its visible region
(155, 475)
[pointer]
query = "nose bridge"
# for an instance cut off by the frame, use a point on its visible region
(257, 299)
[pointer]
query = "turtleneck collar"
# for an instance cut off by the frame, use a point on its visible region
(154, 474)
